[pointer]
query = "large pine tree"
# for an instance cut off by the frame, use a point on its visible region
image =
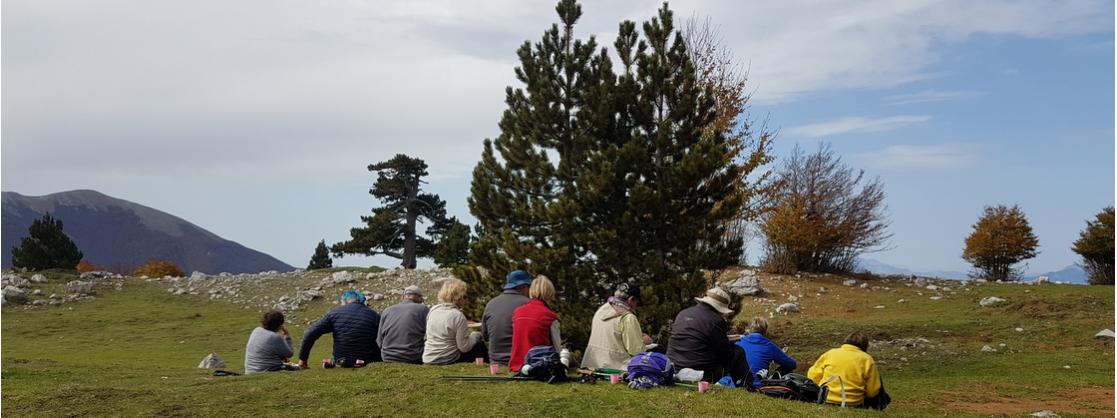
(604, 179)
(46, 247)
(391, 230)
(527, 199)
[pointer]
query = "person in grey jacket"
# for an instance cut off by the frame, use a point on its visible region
(402, 327)
(496, 322)
(269, 346)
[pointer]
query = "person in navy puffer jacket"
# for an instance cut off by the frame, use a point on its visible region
(761, 352)
(354, 327)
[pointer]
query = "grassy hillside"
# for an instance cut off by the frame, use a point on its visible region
(132, 352)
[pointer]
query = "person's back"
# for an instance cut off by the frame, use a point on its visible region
(615, 337)
(447, 335)
(857, 370)
(760, 352)
(269, 345)
(496, 324)
(354, 327)
(696, 338)
(400, 337)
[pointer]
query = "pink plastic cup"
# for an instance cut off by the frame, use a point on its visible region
(614, 379)
(494, 369)
(480, 361)
(703, 386)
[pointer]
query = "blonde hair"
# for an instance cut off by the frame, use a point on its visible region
(452, 291)
(542, 288)
(758, 325)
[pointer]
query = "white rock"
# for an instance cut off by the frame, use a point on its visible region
(12, 294)
(902, 301)
(879, 307)
(988, 349)
(1042, 280)
(787, 308)
(864, 285)
(1105, 333)
(211, 361)
(197, 275)
(747, 283)
(1045, 414)
(792, 298)
(932, 287)
(849, 282)
(38, 278)
(936, 297)
(990, 301)
(79, 287)
(1018, 329)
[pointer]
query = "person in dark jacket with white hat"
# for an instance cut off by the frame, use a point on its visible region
(354, 327)
(700, 340)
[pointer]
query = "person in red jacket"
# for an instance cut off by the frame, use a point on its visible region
(534, 323)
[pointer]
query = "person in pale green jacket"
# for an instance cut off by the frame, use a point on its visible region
(615, 334)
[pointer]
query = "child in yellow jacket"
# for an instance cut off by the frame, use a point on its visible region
(856, 369)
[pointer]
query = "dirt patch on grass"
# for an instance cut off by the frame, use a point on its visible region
(1094, 401)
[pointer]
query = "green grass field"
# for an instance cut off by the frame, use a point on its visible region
(133, 352)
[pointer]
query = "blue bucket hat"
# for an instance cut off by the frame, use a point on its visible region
(353, 294)
(516, 279)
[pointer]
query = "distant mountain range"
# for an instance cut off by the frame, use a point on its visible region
(118, 234)
(1069, 274)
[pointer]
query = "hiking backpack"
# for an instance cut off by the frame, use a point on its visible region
(791, 386)
(543, 363)
(648, 370)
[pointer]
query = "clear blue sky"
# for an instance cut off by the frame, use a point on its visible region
(256, 119)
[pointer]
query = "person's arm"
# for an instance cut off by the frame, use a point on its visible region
(323, 326)
(463, 337)
(720, 341)
(785, 361)
(556, 339)
(282, 346)
(872, 380)
(631, 335)
(485, 325)
(380, 330)
(815, 372)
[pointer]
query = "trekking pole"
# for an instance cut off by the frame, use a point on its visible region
(479, 378)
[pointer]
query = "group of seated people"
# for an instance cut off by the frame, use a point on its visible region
(520, 318)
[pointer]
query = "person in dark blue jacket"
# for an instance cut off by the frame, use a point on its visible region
(354, 327)
(761, 352)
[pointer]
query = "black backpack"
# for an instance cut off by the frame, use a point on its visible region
(792, 386)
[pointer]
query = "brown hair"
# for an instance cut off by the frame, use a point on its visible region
(272, 320)
(857, 339)
(758, 325)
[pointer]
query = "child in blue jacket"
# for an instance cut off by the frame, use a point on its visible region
(760, 351)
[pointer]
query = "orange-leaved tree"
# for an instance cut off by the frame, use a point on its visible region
(1001, 238)
(159, 268)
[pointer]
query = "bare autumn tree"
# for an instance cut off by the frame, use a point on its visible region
(825, 215)
(1001, 238)
(750, 146)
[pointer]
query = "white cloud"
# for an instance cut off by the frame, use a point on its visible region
(909, 157)
(854, 124)
(930, 96)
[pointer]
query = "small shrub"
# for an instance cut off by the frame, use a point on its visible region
(85, 267)
(159, 268)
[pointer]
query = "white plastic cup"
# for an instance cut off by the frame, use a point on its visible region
(480, 361)
(614, 379)
(703, 386)
(494, 369)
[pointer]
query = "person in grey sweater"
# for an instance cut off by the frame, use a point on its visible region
(496, 322)
(269, 346)
(402, 327)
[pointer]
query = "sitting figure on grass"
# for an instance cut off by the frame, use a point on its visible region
(496, 322)
(615, 335)
(449, 339)
(269, 346)
(850, 369)
(402, 327)
(700, 340)
(353, 326)
(534, 323)
(760, 352)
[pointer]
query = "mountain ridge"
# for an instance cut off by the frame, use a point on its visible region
(117, 232)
